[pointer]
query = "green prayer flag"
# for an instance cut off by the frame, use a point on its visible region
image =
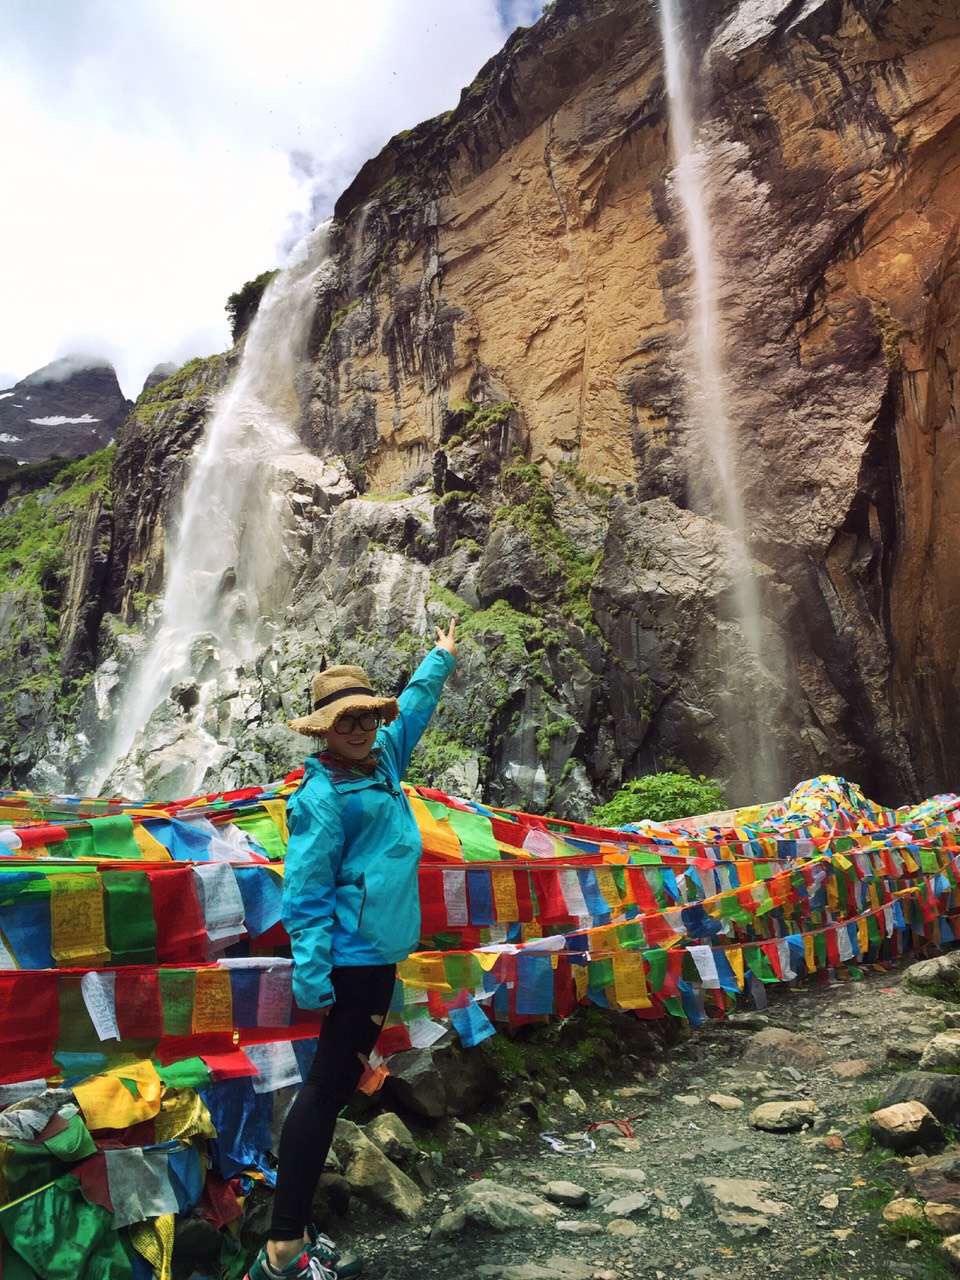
(76, 1032)
(189, 1073)
(262, 828)
(73, 1142)
(462, 972)
(12, 1266)
(113, 837)
(177, 989)
(78, 844)
(131, 928)
(759, 965)
(62, 1236)
(657, 960)
(601, 973)
(475, 835)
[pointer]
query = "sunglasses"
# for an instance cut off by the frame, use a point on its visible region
(349, 724)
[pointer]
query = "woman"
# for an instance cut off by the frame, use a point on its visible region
(351, 906)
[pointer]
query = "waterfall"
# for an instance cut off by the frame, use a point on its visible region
(715, 483)
(225, 550)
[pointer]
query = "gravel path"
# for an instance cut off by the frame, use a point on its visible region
(816, 1213)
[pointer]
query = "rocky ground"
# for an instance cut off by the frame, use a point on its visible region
(751, 1156)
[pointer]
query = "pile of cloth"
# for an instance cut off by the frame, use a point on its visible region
(147, 1026)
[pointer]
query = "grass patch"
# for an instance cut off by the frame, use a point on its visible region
(435, 753)
(530, 507)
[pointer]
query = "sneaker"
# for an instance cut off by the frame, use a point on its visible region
(344, 1265)
(303, 1267)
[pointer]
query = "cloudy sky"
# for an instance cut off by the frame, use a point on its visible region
(159, 154)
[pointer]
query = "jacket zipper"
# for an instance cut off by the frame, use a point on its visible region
(363, 903)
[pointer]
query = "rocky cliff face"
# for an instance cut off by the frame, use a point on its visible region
(67, 409)
(496, 376)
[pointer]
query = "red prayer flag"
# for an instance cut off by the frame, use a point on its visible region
(139, 1009)
(181, 935)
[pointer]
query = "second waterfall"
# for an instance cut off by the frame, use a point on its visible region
(713, 473)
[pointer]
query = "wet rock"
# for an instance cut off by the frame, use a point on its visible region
(488, 1205)
(628, 1206)
(725, 1102)
(573, 1101)
(936, 973)
(942, 1051)
(552, 1269)
(579, 1227)
(568, 1194)
(905, 1126)
(774, 1045)
(852, 1068)
(391, 1135)
(939, 1093)
(439, 1081)
(951, 1251)
(783, 1117)
(740, 1205)
(902, 1208)
(905, 1051)
(372, 1175)
(623, 1228)
(331, 1198)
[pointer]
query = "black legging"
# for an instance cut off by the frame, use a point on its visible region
(351, 1029)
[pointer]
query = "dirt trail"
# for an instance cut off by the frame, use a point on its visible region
(650, 1214)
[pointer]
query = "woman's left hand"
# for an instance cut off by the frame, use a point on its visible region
(448, 639)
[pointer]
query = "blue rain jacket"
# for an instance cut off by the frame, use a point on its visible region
(350, 893)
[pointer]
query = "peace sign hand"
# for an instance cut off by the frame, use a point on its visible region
(448, 639)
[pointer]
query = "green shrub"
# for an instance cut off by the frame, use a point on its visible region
(660, 797)
(242, 306)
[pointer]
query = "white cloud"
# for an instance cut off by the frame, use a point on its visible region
(150, 171)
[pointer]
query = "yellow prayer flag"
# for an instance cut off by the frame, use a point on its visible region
(629, 981)
(608, 887)
(153, 1240)
(735, 961)
(581, 980)
(424, 972)
(77, 925)
(277, 809)
(504, 895)
(863, 937)
(212, 1001)
(150, 846)
(438, 837)
(108, 1103)
(809, 954)
(183, 1115)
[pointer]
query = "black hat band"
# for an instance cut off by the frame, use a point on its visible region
(343, 693)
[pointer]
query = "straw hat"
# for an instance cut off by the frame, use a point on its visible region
(340, 691)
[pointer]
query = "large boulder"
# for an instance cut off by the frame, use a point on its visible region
(440, 1081)
(775, 1046)
(942, 1051)
(939, 974)
(784, 1117)
(741, 1205)
(939, 1093)
(372, 1175)
(493, 1207)
(906, 1127)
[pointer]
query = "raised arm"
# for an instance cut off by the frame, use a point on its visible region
(419, 701)
(313, 858)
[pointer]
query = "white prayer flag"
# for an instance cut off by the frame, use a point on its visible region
(99, 995)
